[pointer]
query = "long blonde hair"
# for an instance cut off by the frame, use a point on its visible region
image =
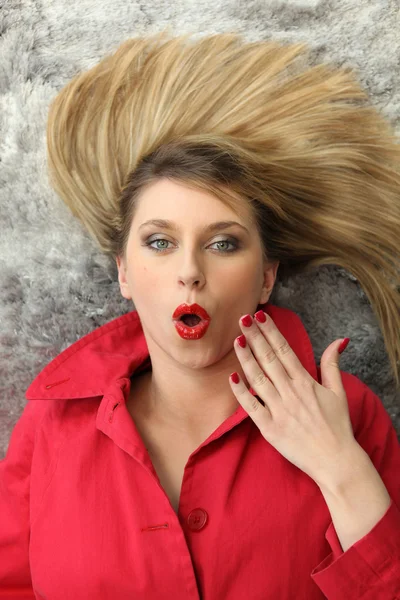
(256, 126)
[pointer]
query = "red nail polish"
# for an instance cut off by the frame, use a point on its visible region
(235, 377)
(247, 321)
(241, 341)
(344, 345)
(260, 316)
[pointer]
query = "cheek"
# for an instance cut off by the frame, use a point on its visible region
(141, 283)
(243, 276)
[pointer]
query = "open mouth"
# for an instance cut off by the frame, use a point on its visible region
(190, 320)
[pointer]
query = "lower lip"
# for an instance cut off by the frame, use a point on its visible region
(191, 333)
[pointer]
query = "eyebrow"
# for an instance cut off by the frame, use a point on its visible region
(208, 228)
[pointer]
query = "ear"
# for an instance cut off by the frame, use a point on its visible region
(270, 272)
(123, 282)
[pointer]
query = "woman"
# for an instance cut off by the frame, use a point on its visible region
(202, 168)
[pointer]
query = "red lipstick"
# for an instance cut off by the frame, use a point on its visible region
(190, 331)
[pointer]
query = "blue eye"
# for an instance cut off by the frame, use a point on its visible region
(232, 243)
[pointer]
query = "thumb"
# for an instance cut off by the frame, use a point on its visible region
(330, 370)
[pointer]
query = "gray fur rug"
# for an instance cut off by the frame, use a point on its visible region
(55, 284)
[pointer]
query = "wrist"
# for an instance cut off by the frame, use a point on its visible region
(354, 466)
(356, 498)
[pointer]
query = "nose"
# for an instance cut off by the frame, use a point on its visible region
(190, 268)
(194, 281)
(191, 275)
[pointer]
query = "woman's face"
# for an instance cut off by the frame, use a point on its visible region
(221, 270)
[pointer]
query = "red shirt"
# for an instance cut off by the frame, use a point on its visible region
(83, 515)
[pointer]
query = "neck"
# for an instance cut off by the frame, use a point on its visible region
(186, 399)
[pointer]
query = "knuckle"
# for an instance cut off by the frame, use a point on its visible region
(255, 405)
(306, 383)
(283, 348)
(269, 355)
(253, 333)
(332, 365)
(242, 392)
(248, 359)
(293, 396)
(282, 423)
(260, 379)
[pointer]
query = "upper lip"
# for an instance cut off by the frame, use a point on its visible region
(191, 309)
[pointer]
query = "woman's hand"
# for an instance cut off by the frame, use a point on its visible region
(308, 423)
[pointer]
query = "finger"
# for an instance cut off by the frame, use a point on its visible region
(265, 355)
(257, 379)
(280, 346)
(260, 414)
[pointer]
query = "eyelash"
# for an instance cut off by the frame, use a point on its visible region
(233, 243)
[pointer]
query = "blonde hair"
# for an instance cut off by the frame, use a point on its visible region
(256, 126)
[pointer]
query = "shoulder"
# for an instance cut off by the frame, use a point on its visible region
(50, 421)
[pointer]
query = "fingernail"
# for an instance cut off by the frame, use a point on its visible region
(260, 316)
(247, 321)
(241, 341)
(235, 377)
(344, 345)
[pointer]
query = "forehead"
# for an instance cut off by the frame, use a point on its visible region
(165, 198)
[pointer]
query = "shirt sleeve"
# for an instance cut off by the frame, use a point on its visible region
(370, 568)
(15, 475)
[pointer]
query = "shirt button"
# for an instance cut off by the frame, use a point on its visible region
(197, 519)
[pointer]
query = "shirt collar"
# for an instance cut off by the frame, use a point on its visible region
(118, 350)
